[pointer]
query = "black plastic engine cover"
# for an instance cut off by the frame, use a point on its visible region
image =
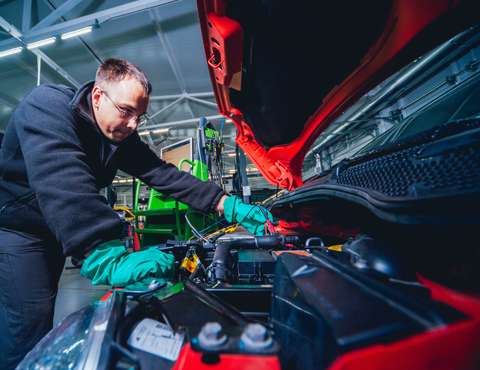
(321, 309)
(255, 266)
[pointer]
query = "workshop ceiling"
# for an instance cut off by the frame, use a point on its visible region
(162, 37)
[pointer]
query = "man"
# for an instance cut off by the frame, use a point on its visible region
(59, 149)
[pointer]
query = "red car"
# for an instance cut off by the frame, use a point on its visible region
(373, 262)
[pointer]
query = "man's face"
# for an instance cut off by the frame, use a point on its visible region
(128, 96)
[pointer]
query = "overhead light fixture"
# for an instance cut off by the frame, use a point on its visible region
(144, 132)
(115, 181)
(232, 154)
(122, 181)
(228, 120)
(160, 130)
(37, 44)
(232, 171)
(11, 51)
(79, 32)
(130, 180)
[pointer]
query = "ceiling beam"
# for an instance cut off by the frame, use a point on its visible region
(214, 105)
(17, 34)
(97, 54)
(177, 123)
(56, 67)
(167, 107)
(171, 57)
(185, 95)
(85, 21)
(57, 14)
(26, 67)
(27, 15)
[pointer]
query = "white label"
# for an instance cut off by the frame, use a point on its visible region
(156, 338)
(247, 191)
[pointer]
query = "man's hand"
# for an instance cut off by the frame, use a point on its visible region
(111, 264)
(219, 207)
(250, 217)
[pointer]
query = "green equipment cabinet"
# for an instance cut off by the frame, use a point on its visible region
(164, 217)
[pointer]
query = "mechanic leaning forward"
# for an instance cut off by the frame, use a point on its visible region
(59, 149)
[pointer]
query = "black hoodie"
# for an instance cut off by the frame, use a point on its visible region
(54, 160)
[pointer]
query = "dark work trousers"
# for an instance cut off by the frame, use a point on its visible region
(30, 269)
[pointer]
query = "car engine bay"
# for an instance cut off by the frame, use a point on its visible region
(318, 294)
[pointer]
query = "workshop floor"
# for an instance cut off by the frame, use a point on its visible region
(74, 292)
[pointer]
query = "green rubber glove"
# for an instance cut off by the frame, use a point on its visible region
(111, 264)
(250, 217)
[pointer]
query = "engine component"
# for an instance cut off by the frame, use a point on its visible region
(256, 337)
(322, 308)
(255, 267)
(252, 266)
(211, 335)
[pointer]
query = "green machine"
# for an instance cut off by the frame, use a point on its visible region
(164, 217)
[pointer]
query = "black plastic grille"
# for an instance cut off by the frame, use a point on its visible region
(400, 174)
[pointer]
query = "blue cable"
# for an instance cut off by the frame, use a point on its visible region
(201, 231)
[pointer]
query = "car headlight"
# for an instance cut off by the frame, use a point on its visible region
(76, 342)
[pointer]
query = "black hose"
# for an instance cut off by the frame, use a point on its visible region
(220, 261)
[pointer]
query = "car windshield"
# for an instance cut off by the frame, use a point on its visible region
(459, 104)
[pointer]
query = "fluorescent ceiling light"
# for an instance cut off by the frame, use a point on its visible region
(79, 32)
(160, 130)
(228, 120)
(11, 51)
(37, 44)
(122, 181)
(232, 154)
(232, 171)
(115, 181)
(145, 132)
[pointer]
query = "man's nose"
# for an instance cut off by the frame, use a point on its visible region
(132, 124)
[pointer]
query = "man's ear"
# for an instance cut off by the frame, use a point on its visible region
(96, 95)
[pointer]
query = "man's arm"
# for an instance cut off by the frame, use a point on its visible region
(135, 158)
(59, 172)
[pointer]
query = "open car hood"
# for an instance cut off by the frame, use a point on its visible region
(284, 72)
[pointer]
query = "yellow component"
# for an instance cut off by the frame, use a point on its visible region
(274, 196)
(129, 216)
(337, 247)
(227, 230)
(190, 263)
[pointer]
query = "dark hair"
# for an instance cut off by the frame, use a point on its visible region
(114, 70)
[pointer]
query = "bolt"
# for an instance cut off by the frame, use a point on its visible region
(211, 335)
(256, 336)
(256, 332)
(212, 330)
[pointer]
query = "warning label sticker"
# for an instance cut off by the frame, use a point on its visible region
(190, 263)
(156, 338)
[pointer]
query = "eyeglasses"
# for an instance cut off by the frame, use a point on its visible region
(141, 119)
